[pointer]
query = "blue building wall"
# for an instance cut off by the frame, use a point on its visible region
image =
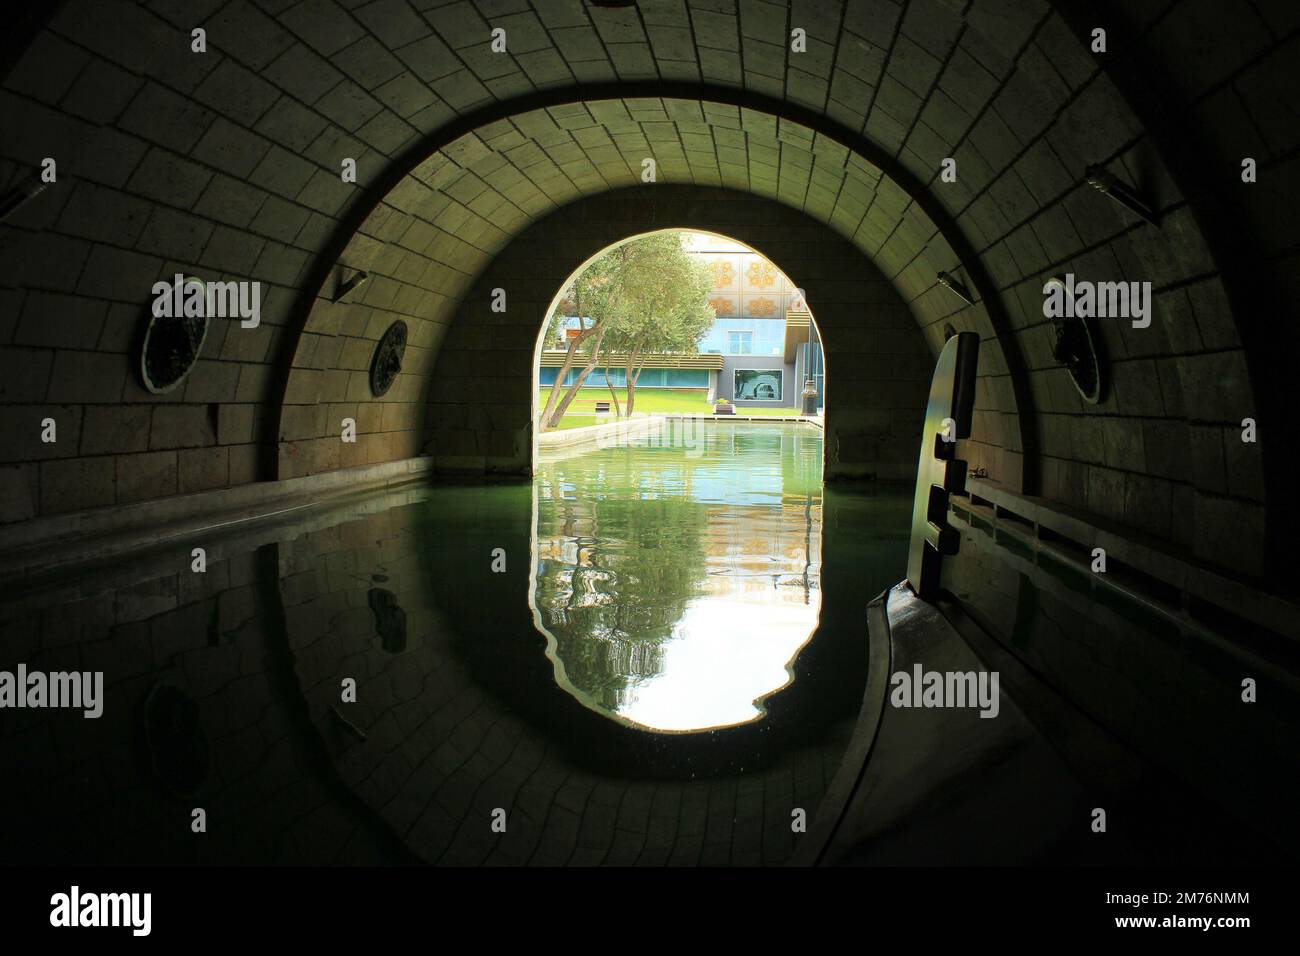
(809, 361)
(764, 337)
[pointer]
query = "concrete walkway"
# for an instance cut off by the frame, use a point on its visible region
(617, 430)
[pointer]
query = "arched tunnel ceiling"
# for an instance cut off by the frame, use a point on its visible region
(440, 225)
(919, 82)
(470, 197)
(982, 83)
(231, 158)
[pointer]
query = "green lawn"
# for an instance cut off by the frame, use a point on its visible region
(662, 400)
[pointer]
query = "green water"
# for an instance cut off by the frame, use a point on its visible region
(699, 667)
(652, 653)
(677, 575)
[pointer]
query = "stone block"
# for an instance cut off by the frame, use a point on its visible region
(145, 476)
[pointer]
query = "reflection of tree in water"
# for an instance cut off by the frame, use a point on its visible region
(612, 606)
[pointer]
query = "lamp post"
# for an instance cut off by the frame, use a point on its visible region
(809, 397)
(809, 393)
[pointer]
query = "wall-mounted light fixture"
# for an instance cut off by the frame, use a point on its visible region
(387, 360)
(952, 283)
(1108, 184)
(1079, 348)
(170, 345)
(29, 188)
(353, 281)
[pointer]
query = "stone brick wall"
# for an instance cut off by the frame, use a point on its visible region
(1113, 656)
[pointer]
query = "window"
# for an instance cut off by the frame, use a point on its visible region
(686, 378)
(740, 342)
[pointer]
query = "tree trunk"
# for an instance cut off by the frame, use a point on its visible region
(549, 419)
(631, 378)
(618, 410)
(558, 387)
(567, 400)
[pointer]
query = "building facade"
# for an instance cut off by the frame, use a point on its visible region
(760, 350)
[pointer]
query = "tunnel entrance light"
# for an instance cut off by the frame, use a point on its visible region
(29, 188)
(953, 284)
(352, 282)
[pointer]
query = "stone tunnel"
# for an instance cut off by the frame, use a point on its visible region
(921, 168)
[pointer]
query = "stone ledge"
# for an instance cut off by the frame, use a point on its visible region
(641, 425)
(1146, 556)
(58, 540)
(570, 437)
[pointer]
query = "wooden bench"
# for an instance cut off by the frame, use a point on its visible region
(594, 408)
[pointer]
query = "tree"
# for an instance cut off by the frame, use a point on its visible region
(648, 296)
(586, 343)
(615, 604)
(599, 294)
(673, 309)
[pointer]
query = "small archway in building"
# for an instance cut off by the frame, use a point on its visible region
(677, 552)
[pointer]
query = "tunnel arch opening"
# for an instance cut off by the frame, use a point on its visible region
(667, 517)
(864, 325)
(778, 298)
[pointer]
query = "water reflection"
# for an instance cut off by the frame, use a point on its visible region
(222, 689)
(677, 574)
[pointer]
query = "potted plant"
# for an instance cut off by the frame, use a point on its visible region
(723, 407)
